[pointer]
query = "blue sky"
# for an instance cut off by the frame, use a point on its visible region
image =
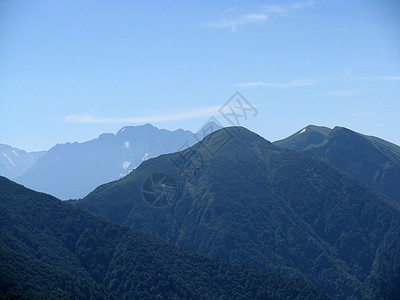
(71, 70)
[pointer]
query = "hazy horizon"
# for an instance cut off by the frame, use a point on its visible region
(71, 70)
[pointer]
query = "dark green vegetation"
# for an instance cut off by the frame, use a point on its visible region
(49, 248)
(374, 161)
(242, 199)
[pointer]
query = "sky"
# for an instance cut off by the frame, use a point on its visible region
(71, 70)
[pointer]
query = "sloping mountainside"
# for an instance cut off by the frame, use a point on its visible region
(14, 162)
(374, 161)
(73, 170)
(50, 248)
(311, 135)
(237, 197)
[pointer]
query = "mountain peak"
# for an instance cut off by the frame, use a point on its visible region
(213, 125)
(309, 135)
(322, 129)
(236, 197)
(236, 137)
(145, 128)
(73, 170)
(238, 132)
(374, 161)
(14, 162)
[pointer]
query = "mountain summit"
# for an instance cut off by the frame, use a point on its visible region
(238, 197)
(374, 161)
(14, 162)
(73, 170)
(304, 138)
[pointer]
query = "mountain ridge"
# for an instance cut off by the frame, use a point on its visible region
(14, 162)
(72, 170)
(240, 198)
(374, 161)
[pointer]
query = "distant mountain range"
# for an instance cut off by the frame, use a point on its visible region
(237, 197)
(51, 250)
(73, 170)
(15, 162)
(374, 161)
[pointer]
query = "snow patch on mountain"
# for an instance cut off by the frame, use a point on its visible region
(9, 159)
(145, 156)
(126, 165)
(15, 153)
(126, 144)
(304, 130)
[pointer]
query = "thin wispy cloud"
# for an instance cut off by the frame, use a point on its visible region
(347, 73)
(182, 115)
(344, 93)
(295, 83)
(231, 9)
(232, 24)
(385, 78)
(285, 10)
(262, 13)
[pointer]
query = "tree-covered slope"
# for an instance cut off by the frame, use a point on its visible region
(374, 161)
(49, 248)
(237, 197)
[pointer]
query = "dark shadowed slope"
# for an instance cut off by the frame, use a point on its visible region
(238, 197)
(374, 161)
(51, 248)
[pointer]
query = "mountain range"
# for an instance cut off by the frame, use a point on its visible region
(15, 162)
(73, 170)
(51, 250)
(372, 160)
(237, 197)
(315, 213)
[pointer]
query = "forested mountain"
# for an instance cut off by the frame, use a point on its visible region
(73, 170)
(14, 162)
(374, 161)
(49, 248)
(238, 197)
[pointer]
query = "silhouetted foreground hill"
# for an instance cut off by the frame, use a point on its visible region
(238, 197)
(50, 248)
(374, 161)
